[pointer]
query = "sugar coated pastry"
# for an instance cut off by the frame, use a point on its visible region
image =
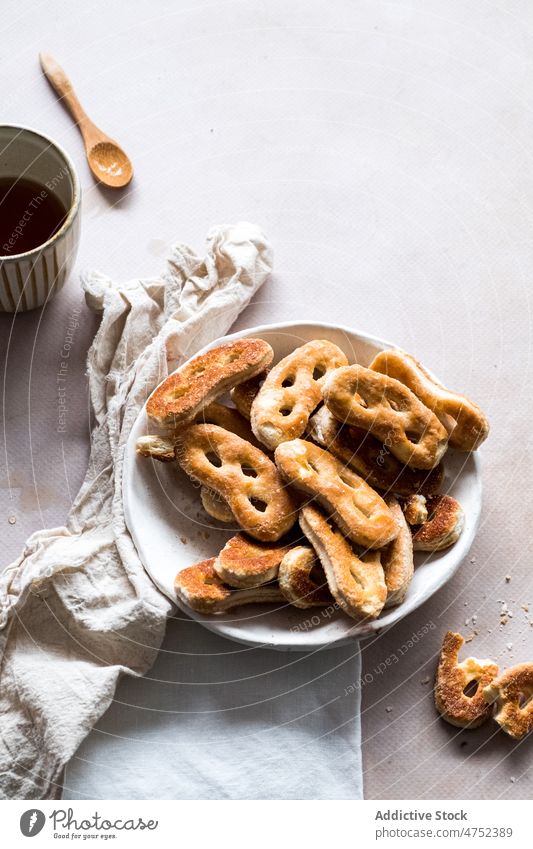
(228, 418)
(199, 382)
(157, 447)
(397, 558)
(466, 423)
(356, 583)
(358, 510)
(216, 506)
(291, 391)
(244, 562)
(512, 693)
(302, 580)
(200, 588)
(389, 411)
(369, 457)
(453, 704)
(242, 475)
(243, 395)
(443, 526)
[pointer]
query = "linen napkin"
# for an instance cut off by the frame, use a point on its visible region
(77, 609)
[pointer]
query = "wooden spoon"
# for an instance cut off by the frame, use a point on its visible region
(108, 162)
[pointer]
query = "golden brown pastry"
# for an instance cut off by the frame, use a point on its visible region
(196, 384)
(357, 583)
(228, 418)
(245, 478)
(200, 588)
(389, 411)
(512, 693)
(358, 510)
(443, 525)
(291, 391)
(302, 580)
(465, 422)
(243, 395)
(244, 562)
(370, 458)
(415, 509)
(397, 558)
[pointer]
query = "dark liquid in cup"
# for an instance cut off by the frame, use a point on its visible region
(29, 215)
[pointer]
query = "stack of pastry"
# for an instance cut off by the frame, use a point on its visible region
(353, 455)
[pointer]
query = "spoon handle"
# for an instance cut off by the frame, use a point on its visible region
(57, 78)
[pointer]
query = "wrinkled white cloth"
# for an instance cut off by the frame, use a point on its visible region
(77, 608)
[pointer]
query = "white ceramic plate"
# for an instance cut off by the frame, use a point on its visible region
(171, 530)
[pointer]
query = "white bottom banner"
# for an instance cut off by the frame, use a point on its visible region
(262, 824)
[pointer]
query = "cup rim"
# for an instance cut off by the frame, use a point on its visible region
(74, 207)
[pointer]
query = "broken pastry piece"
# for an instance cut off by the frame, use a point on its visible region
(291, 391)
(157, 447)
(215, 506)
